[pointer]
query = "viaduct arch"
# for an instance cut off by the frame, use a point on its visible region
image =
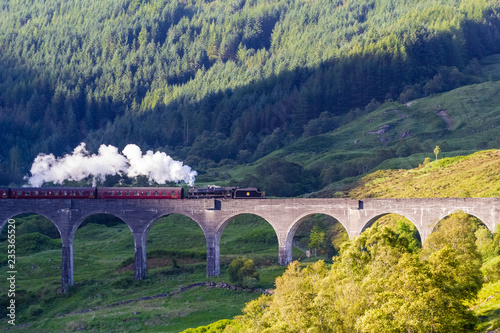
(213, 216)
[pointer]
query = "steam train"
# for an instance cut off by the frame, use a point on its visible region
(211, 192)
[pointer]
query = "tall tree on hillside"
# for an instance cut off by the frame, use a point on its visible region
(437, 150)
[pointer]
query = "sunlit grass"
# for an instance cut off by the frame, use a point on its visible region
(476, 175)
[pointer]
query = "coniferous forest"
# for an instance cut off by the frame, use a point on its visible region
(220, 82)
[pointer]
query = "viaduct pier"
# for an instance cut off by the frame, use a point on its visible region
(284, 215)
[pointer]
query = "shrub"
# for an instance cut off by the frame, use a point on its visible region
(249, 282)
(35, 310)
(241, 268)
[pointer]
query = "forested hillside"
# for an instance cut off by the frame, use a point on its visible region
(220, 82)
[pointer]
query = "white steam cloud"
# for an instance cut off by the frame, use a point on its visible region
(158, 166)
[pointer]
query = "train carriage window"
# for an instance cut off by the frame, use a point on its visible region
(35, 192)
(80, 192)
(164, 192)
(127, 192)
(120, 193)
(65, 192)
(19, 192)
(157, 193)
(148, 193)
(44, 193)
(111, 192)
(56, 193)
(136, 192)
(73, 192)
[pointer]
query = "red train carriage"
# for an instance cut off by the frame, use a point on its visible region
(140, 193)
(53, 193)
(4, 193)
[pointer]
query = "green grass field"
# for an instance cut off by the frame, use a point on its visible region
(103, 276)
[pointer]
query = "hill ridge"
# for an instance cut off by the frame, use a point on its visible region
(475, 175)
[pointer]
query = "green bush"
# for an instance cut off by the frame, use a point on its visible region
(249, 282)
(35, 310)
(241, 268)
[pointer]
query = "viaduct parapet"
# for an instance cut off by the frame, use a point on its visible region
(284, 215)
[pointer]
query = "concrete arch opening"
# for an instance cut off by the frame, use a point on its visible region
(175, 245)
(457, 217)
(399, 224)
(102, 245)
(462, 227)
(317, 236)
(251, 236)
(36, 222)
(37, 255)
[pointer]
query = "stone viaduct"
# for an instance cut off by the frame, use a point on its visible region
(284, 215)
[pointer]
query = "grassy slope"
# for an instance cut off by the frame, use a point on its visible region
(103, 277)
(476, 175)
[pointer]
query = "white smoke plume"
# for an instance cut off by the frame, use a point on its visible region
(158, 166)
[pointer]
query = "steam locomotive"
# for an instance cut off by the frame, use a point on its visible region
(211, 192)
